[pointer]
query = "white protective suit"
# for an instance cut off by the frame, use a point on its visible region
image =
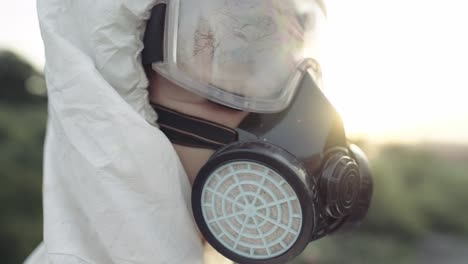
(114, 188)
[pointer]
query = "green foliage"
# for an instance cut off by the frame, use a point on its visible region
(20, 83)
(22, 130)
(418, 191)
(354, 248)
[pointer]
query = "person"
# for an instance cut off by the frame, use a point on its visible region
(117, 171)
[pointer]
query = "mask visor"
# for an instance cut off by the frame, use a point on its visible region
(249, 55)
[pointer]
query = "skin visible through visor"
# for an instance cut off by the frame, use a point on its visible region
(247, 48)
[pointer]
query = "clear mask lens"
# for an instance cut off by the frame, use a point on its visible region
(247, 54)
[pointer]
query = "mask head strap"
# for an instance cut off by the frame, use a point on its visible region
(154, 36)
(192, 131)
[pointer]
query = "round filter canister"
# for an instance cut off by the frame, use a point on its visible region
(251, 210)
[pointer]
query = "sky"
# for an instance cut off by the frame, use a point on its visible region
(395, 70)
(19, 30)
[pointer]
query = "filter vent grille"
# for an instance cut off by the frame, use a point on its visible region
(251, 210)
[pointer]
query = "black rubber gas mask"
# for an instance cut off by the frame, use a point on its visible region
(287, 175)
(278, 181)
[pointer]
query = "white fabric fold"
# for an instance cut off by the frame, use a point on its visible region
(114, 188)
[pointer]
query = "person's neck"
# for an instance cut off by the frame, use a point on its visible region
(192, 159)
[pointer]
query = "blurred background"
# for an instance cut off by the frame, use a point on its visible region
(395, 70)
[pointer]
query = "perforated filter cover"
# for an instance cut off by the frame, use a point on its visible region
(251, 210)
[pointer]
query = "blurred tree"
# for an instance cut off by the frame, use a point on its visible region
(22, 129)
(19, 81)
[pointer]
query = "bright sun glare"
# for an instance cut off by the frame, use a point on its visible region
(395, 70)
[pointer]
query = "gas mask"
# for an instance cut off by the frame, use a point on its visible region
(286, 175)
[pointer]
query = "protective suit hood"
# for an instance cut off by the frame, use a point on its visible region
(112, 182)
